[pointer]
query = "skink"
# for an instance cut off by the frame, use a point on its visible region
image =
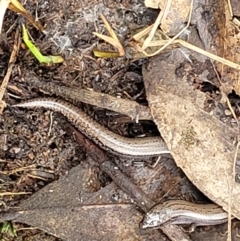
(183, 212)
(106, 139)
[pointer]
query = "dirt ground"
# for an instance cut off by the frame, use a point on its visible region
(38, 147)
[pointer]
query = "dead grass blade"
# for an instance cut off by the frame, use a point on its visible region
(162, 15)
(170, 41)
(113, 40)
(3, 7)
(13, 193)
(109, 28)
(105, 54)
(17, 7)
(142, 33)
(198, 50)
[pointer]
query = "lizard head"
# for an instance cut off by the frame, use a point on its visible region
(155, 217)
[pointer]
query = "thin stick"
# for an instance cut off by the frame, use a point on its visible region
(9, 70)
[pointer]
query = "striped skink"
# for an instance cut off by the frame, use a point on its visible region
(183, 212)
(106, 139)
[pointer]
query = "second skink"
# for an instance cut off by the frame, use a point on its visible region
(106, 139)
(183, 212)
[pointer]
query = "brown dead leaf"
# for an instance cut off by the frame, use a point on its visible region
(202, 146)
(67, 209)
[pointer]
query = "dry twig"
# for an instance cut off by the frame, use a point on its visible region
(12, 60)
